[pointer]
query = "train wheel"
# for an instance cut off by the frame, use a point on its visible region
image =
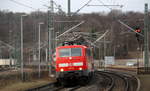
(91, 75)
(58, 83)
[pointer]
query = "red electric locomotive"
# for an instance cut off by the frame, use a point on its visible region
(74, 61)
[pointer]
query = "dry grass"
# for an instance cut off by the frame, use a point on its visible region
(145, 82)
(123, 68)
(10, 81)
(21, 86)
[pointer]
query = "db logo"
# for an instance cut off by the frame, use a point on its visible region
(70, 64)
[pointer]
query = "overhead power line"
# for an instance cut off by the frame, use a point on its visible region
(104, 4)
(71, 29)
(107, 5)
(82, 7)
(90, 42)
(101, 36)
(129, 27)
(23, 4)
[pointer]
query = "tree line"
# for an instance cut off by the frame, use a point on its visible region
(121, 39)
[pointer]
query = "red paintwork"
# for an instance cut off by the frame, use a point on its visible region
(74, 59)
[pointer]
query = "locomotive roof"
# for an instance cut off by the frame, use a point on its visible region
(71, 46)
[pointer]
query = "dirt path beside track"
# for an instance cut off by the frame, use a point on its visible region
(145, 82)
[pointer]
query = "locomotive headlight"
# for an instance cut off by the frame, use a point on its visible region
(80, 68)
(61, 70)
(78, 64)
(63, 65)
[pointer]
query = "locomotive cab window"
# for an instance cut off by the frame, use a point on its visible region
(64, 52)
(67, 52)
(75, 51)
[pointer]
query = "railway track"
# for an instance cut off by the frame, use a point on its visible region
(5, 69)
(131, 81)
(107, 82)
(121, 81)
(102, 81)
(53, 87)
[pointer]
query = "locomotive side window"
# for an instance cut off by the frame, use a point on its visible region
(64, 52)
(88, 52)
(67, 52)
(75, 51)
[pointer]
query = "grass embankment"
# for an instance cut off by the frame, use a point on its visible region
(145, 82)
(11, 80)
(21, 86)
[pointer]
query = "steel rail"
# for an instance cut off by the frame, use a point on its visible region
(49, 85)
(74, 88)
(125, 79)
(112, 81)
(139, 83)
(52, 87)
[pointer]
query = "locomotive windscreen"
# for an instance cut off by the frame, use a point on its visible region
(67, 52)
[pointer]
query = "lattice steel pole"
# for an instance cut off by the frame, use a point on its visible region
(146, 45)
(69, 7)
(50, 32)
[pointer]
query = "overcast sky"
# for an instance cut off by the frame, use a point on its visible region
(129, 5)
